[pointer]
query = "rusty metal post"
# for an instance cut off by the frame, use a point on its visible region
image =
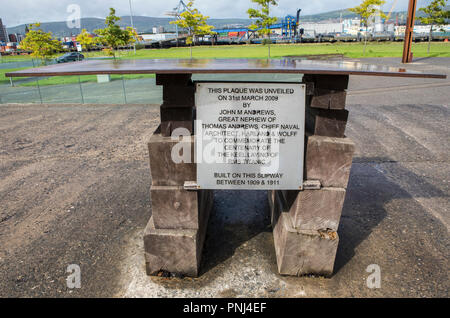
(407, 54)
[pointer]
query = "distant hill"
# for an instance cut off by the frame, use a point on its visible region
(328, 16)
(334, 16)
(145, 24)
(60, 28)
(142, 24)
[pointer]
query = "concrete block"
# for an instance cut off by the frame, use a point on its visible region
(103, 78)
(177, 251)
(174, 208)
(314, 209)
(303, 252)
(166, 172)
(329, 160)
(324, 122)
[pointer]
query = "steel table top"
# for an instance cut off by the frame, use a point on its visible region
(220, 66)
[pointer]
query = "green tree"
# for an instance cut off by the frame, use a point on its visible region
(41, 44)
(113, 35)
(435, 14)
(263, 19)
(86, 40)
(366, 11)
(134, 36)
(194, 22)
(447, 14)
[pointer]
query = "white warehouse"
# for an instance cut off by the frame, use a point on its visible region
(323, 27)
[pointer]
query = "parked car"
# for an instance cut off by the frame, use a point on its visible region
(70, 57)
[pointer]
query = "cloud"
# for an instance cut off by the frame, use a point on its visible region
(26, 11)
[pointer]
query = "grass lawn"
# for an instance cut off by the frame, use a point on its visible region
(62, 80)
(56, 80)
(5, 80)
(15, 58)
(353, 50)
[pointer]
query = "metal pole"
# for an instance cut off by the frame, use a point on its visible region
(407, 54)
(132, 25)
(81, 90)
(39, 89)
(124, 92)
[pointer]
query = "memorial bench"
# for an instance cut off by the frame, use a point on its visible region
(301, 124)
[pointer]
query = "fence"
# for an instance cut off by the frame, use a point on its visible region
(126, 89)
(117, 91)
(121, 89)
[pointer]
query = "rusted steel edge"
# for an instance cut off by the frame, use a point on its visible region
(218, 71)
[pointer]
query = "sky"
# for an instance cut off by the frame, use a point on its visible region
(27, 11)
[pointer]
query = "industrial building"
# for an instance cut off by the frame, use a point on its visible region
(158, 36)
(320, 28)
(159, 29)
(3, 33)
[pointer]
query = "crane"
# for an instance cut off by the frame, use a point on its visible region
(177, 11)
(390, 11)
(297, 22)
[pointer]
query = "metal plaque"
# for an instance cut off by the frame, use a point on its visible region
(250, 135)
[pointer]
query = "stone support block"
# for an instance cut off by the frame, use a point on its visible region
(177, 251)
(178, 96)
(314, 209)
(164, 170)
(329, 160)
(325, 122)
(175, 208)
(303, 252)
(328, 99)
(173, 79)
(176, 117)
(329, 90)
(326, 81)
(177, 110)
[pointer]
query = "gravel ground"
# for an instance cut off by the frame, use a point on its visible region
(74, 189)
